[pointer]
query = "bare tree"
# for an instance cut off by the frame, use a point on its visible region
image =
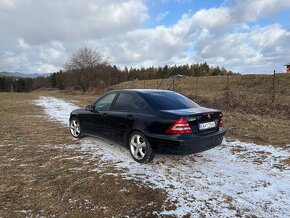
(84, 58)
(84, 64)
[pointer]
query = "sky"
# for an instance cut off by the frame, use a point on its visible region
(246, 36)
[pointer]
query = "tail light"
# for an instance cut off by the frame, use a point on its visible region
(221, 123)
(181, 126)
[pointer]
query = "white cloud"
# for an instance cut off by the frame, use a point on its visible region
(30, 29)
(213, 18)
(33, 58)
(7, 4)
(258, 50)
(216, 37)
(38, 36)
(249, 10)
(23, 45)
(161, 16)
(147, 47)
(42, 67)
(41, 21)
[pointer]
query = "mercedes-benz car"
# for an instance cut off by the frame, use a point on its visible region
(149, 121)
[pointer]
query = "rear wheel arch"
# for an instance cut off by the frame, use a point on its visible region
(128, 137)
(129, 134)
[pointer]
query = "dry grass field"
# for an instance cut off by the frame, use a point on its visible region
(214, 85)
(42, 176)
(248, 94)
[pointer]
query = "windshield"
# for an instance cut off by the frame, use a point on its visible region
(169, 101)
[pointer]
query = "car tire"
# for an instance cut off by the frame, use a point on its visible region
(140, 148)
(75, 128)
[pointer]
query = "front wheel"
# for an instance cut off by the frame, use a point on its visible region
(75, 128)
(140, 148)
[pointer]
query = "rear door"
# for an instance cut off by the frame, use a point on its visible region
(124, 113)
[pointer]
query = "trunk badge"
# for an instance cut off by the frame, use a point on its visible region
(191, 119)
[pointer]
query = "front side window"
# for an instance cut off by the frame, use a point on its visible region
(126, 102)
(105, 102)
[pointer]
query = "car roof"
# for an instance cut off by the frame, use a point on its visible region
(143, 90)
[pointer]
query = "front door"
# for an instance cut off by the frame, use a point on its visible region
(99, 124)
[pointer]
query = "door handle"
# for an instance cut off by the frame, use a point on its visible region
(104, 115)
(130, 117)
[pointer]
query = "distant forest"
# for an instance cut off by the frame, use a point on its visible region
(16, 84)
(87, 70)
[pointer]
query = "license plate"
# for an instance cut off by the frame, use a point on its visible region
(209, 125)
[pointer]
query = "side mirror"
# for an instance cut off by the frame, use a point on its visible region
(89, 107)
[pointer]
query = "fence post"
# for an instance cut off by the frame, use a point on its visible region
(157, 84)
(274, 87)
(228, 102)
(144, 84)
(196, 86)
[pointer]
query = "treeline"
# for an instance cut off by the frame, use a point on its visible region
(88, 79)
(12, 84)
(167, 71)
(103, 75)
(88, 70)
(16, 84)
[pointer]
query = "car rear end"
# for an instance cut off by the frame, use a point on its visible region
(207, 132)
(186, 128)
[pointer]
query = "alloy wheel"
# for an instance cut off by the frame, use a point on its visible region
(75, 128)
(138, 146)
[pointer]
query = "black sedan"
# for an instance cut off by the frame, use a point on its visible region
(150, 121)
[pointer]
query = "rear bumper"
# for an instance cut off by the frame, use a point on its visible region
(186, 144)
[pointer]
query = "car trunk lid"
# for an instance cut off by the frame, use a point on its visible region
(201, 120)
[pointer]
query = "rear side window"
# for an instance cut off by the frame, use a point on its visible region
(105, 102)
(126, 102)
(170, 101)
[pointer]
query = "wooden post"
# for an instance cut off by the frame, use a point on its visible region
(144, 85)
(157, 84)
(274, 87)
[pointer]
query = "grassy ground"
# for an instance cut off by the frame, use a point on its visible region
(42, 176)
(213, 85)
(249, 94)
(263, 130)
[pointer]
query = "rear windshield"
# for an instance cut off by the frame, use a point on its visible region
(169, 101)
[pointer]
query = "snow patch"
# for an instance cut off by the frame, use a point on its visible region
(234, 179)
(55, 108)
